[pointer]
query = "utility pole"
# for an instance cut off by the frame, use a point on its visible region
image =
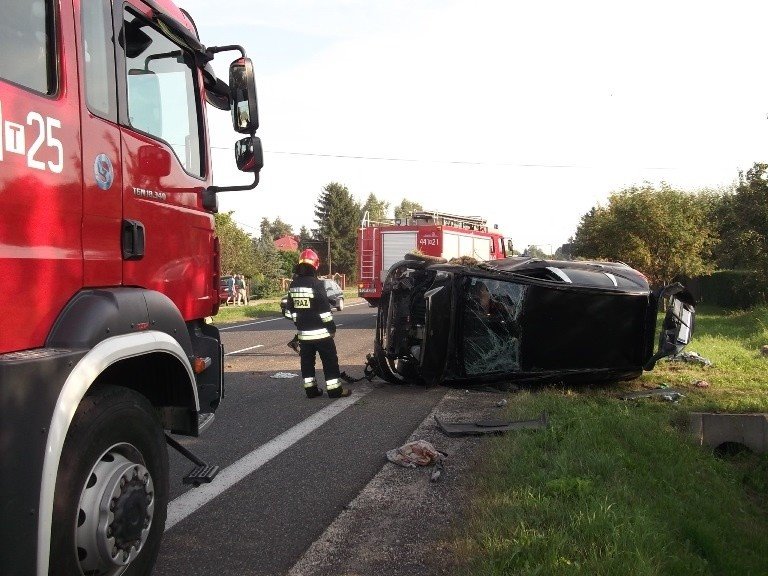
(329, 256)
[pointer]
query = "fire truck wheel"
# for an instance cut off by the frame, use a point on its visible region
(111, 489)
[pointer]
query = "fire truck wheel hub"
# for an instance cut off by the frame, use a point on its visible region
(115, 515)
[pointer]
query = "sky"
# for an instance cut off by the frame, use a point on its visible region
(527, 114)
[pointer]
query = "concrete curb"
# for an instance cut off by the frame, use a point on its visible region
(400, 523)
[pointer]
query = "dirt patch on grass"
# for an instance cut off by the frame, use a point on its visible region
(402, 522)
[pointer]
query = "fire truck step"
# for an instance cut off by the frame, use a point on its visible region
(201, 475)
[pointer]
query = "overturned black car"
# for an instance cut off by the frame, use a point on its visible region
(522, 319)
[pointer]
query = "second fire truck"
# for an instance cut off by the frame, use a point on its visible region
(438, 234)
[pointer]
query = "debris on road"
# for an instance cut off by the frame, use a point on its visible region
(490, 426)
(501, 403)
(668, 394)
(437, 473)
(693, 357)
(416, 453)
(284, 375)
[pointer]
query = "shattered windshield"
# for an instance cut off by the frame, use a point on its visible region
(491, 328)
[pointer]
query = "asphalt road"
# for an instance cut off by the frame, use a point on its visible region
(289, 464)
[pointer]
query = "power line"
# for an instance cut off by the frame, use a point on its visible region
(459, 162)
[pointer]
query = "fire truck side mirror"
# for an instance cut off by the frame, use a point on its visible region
(249, 156)
(242, 90)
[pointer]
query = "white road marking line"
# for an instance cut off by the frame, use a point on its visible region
(196, 498)
(252, 323)
(244, 349)
(278, 318)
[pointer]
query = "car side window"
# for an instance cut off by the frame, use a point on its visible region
(491, 326)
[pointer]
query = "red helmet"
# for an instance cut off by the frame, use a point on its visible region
(310, 257)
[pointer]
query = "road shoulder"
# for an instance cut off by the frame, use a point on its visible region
(400, 523)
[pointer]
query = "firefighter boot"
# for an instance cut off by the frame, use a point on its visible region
(339, 392)
(314, 392)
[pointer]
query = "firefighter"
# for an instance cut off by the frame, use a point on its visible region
(309, 308)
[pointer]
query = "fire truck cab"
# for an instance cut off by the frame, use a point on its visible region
(109, 267)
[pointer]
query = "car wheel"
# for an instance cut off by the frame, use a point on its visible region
(340, 305)
(111, 489)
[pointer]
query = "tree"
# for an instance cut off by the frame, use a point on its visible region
(534, 251)
(236, 247)
(404, 209)
(304, 236)
(269, 264)
(663, 233)
(337, 216)
(377, 209)
(288, 261)
(276, 229)
(742, 218)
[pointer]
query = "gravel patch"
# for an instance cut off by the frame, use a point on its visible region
(401, 522)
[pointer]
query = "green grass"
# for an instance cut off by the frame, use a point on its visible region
(255, 309)
(615, 486)
(738, 376)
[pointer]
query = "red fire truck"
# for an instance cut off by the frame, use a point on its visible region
(110, 266)
(379, 245)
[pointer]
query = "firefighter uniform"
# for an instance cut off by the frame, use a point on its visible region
(308, 307)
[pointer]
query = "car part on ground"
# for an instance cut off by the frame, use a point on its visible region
(523, 319)
(490, 426)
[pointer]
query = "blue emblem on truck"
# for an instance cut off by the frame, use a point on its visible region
(103, 172)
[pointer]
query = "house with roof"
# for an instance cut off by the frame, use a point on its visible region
(287, 242)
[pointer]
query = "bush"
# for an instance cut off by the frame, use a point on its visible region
(732, 289)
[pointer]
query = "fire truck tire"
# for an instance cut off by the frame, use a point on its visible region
(111, 489)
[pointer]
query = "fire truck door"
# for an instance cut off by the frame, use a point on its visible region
(167, 238)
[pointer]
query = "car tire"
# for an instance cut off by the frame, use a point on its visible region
(340, 304)
(114, 452)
